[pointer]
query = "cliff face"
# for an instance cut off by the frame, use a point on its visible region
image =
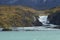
(16, 16)
(54, 16)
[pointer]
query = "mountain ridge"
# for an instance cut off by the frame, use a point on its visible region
(36, 4)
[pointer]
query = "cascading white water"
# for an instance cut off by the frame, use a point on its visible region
(43, 19)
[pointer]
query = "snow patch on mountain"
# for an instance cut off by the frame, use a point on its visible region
(44, 1)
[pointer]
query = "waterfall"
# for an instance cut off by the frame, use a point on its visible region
(43, 19)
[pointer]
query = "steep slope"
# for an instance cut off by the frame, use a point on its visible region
(16, 16)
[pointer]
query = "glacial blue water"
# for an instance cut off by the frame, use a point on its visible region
(30, 35)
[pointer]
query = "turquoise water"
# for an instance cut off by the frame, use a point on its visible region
(30, 35)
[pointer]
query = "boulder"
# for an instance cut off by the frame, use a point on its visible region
(37, 23)
(6, 29)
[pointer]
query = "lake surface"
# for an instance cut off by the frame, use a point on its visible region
(44, 33)
(30, 35)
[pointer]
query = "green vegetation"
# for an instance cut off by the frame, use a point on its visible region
(16, 16)
(19, 16)
(53, 10)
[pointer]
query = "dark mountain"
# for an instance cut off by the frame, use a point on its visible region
(36, 4)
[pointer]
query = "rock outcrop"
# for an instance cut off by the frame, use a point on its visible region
(6, 29)
(54, 18)
(37, 23)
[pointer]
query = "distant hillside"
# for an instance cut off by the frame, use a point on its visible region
(16, 16)
(47, 11)
(53, 10)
